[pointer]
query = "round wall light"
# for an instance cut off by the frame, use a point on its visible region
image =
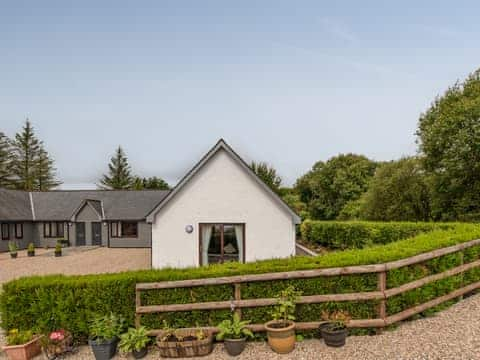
(189, 229)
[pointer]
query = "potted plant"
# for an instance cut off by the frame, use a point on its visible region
(104, 333)
(184, 342)
(334, 331)
(234, 333)
(58, 250)
(31, 250)
(22, 345)
(281, 330)
(13, 249)
(57, 343)
(135, 341)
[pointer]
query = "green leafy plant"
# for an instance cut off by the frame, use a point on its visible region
(16, 337)
(134, 339)
(58, 248)
(234, 329)
(284, 310)
(12, 247)
(106, 327)
(337, 320)
(31, 247)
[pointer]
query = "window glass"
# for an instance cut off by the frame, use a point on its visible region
(46, 229)
(129, 229)
(60, 230)
(5, 231)
(19, 230)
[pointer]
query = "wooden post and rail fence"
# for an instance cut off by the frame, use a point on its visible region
(382, 294)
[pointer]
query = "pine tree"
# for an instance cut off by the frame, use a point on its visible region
(26, 150)
(5, 161)
(119, 174)
(44, 172)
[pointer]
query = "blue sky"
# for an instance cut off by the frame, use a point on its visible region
(289, 82)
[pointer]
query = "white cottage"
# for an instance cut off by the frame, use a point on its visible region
(221, 211)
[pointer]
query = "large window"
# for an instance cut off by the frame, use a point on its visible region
(5, 231)
(126, 229)
(18, 231)
(221, 243)
(53, 229)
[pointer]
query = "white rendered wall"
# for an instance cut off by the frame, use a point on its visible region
(221, 192)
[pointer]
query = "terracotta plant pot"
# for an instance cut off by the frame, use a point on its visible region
(235, 347)
(332, 336)
(281, 338)
(24, 352)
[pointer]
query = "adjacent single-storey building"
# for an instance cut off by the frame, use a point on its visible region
(220, 211)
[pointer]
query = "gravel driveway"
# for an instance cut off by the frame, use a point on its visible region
(75, 260)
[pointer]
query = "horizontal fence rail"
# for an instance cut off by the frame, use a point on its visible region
(382, 294)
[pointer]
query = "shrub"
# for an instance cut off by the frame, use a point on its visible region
(360, 234)
(70, 302)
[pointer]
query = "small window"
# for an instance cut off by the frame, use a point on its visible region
(129, 229)
(18, 231)
(5, 231)
(114, 229)
(53, 229)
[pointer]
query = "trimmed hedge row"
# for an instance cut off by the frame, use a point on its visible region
(360, 234)
(50, 302)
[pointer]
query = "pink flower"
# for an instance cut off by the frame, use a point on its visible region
(57, 335)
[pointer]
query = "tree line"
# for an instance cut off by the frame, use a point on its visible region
(26, 165)
(440, 183)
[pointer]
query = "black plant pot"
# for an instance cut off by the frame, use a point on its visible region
(235, 347)
(333, 337)
(30, 253)
(104, 349)
(140, 354)
(58, 254)
(13, 255)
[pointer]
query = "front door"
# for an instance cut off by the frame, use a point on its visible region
(96, 233)
(221, 243)
(80, 233)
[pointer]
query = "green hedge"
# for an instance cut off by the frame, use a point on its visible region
(46, 303)
(360, 234)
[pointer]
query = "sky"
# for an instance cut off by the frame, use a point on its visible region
(287, 82)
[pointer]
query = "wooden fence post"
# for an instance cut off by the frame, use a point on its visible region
(382, 286)
(238, 296)
(138, 303)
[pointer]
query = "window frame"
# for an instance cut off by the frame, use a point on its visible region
(53, 225)
(222, 226)
(2, 227)
(18, 234)
(119, 232)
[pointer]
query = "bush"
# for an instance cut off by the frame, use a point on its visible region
(71, 302)
(360, 234)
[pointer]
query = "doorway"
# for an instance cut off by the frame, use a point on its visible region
(97, 233)
(80, 234)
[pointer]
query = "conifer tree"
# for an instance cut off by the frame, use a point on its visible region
(5, 161)
(44, 172)
(119, 173)
(26, 148)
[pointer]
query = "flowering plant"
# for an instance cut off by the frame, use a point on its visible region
(58, 335)
(57, 343)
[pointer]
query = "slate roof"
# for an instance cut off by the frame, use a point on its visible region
(61, 205)
(15, 205)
